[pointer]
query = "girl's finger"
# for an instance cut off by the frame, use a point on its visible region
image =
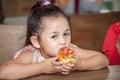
(65, 73)
(68, 66)
(59, 68)
(65, 70)
(71, 65)
(56, 63)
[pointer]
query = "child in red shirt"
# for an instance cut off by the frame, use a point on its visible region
(110, 42)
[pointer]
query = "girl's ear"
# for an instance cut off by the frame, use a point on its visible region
(34, 41)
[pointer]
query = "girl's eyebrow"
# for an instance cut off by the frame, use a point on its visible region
(55, 32)
(67, 30)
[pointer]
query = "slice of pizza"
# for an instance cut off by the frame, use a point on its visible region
(66, 55)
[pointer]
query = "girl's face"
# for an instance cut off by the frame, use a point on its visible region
(55, 35)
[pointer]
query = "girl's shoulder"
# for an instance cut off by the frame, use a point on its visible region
(27, 49)
(24, 55)
(83, 53)
(31, 53)
(75, 47)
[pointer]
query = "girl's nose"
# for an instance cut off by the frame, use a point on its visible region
(62, 40)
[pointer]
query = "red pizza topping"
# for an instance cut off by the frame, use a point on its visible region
(66, 55)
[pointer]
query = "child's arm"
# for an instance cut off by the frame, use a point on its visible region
(22, 67)
(89, 60)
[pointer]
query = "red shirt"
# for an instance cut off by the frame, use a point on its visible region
(109, 47)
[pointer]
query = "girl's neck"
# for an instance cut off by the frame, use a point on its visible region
(43, 54)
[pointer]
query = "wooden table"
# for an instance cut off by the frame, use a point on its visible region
(109, 73)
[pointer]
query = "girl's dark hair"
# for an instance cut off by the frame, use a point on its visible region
(37, 13)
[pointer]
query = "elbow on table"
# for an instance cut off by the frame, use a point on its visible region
(2, 74)
(104, 63)
(5, 75)
(101, 63)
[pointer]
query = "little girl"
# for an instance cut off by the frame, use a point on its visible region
(48, 30)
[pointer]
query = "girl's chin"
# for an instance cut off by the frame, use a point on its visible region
(54, 55)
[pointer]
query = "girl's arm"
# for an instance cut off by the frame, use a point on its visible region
(22, 67)
(20, 70)
(89, 59)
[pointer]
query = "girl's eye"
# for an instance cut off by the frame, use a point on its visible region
(66, 34)
(54, 37)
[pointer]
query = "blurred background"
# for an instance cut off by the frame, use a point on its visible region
(16, 11)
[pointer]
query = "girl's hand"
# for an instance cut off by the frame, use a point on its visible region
(77, 56)
(77, 64)
(52, 65)
(66, 68)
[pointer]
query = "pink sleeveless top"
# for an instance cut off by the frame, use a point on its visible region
(35, 52)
